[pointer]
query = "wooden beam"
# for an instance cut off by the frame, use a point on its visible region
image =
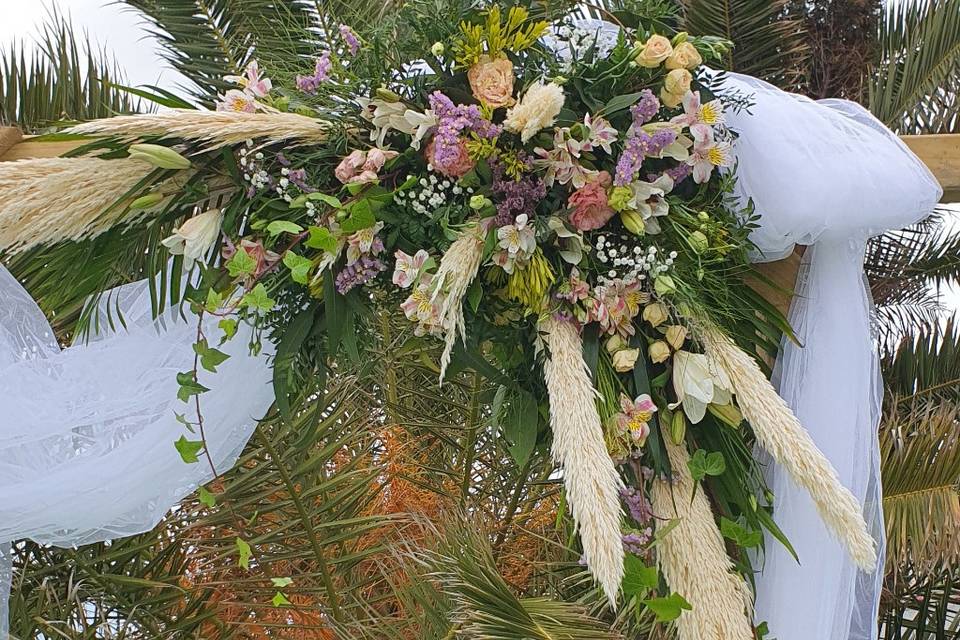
(941, 153)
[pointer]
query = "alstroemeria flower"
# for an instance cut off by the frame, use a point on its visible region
(635, 416)
(408, 267)
(600, 134)
(518, 238)
(707, 154)
(423, 307)
(698, 382)
(237, 100)
(699, 116)
(362, 242)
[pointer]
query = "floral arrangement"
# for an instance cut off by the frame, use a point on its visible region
(552, 207)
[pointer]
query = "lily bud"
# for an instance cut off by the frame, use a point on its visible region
(699, 242)
(386, 95)
(659, 351)
(680, 37)
(159, 156)
(678, 427)
(676, 335)
(147, 201)
(726, 413)
(633, 222)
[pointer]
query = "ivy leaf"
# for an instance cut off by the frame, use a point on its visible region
(702, 464)
(669, 608)
(280, 600)
(361, 217)
(321, 238)
(280, 583)
(241, 264)
(182, 419)
(210, 357)
(299, 267)
(243, 549)
(637, 577)
(213, 301)
(229, 328)
(741, 536)
(188, 386)
(301, 201)
(206, 498)
(258, 299)
(277, 227)
(188, 449)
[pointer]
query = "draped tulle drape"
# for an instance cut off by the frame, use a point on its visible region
(825, 174)
(87, 448)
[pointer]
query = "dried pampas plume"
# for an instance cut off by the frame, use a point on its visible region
(694, 561)
(53, 199)
(457, 269)
(589, 475)
(781, 434)
(216, 128)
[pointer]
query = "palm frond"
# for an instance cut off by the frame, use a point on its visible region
(64, 78)
(914, 89)
(768, 44)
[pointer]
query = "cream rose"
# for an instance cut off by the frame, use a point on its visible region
(675, 86)
(659, 351)
(625, 359)
(655, 50)
(684, 56)
(492, 82)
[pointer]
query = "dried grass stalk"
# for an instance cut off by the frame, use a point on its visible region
(590, 477)
(48, 200)
(694, 561)
(457, 269)
(216, 128)
(781, 434)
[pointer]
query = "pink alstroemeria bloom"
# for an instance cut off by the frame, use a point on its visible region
(707, 154)
(635, 417)
(237, 100)
(408, 267)
(601, 134)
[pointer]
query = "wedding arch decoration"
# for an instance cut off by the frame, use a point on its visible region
(572, 212)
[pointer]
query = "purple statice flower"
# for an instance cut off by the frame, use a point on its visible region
(640, 145)
(321, 73)
(282, 159)
(637, 505)
(350, 38)
(645, 109)
(515, 196)
(365, 269)
(452, 120)
(299, 178)
(679, 172)
(636, 542)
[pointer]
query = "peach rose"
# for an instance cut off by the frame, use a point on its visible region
(590, 207)
(456, 164)
(655, 50)
(675, 86)
(684, 56)
(492, 82)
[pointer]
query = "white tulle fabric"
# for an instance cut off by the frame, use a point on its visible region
(87, 433)
(825, 174)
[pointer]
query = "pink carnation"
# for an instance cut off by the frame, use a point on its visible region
(590, 207)
(455, 162)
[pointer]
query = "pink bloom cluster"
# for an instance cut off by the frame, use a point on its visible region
(363, 166)
(590, 207)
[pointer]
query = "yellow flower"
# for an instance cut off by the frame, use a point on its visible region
(684, 56)
(625, 359)
(656, 313)
(659, 351)
(676, 335)
(492, 81)
(655, 50)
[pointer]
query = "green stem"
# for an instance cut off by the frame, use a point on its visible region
(471, 438)
(514, 503)
(311, 534)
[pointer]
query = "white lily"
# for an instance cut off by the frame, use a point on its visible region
(420, 125)
(195, 236)
(384, 116)
(698, 383)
